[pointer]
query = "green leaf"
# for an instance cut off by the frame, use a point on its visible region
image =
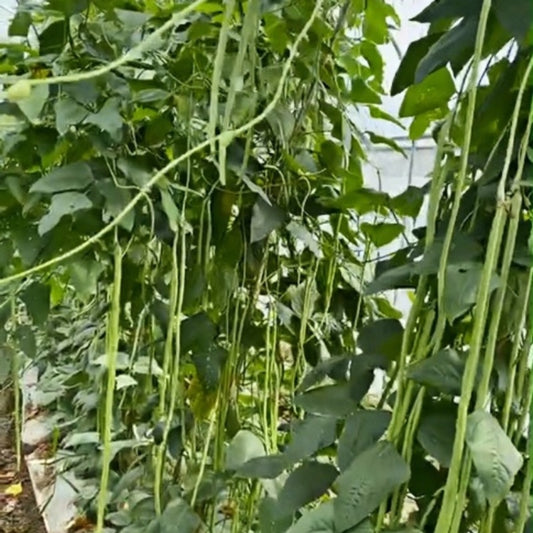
(375, 25)
(269, 518)
(436, 434)
(422, 122)
(381, 233)
(37, 300)
(175, 442)
(116, 199)
(178, 516)
(515, 17)
(309, 436)
(20, 24)
(432, 93)
(454, 47)
(329, 400)
(495, 457)
(124, 381)
(443, 371)
(243, 447)
(26, 341)
(405, 75)
(209, 366)
(387, 141)
(361, 431)
(381, 337)
(68, 113)
(461, 288)
(319, 520)
(282, 122)
(367, 482)
(448, 9)
(68, 7)
(33, 104)
(269, 467)
(301, 233)
(362, 200)
(74, 177)
(28, 244)
(409, 202)
(84, 276)
(53, 38)
(81, 439)
(305, 484)
(66, 203)
(108, 119)
(361, 93)
(197, 333)
(6, 253)
(377, 112)
(331, 156)
(265, 219)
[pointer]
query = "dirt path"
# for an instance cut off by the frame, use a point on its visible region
(18, 510)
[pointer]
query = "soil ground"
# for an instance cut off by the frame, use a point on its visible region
(18, 509)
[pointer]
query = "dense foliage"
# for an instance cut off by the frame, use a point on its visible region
(207, 334)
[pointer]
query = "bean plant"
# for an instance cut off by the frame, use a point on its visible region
(191, 259)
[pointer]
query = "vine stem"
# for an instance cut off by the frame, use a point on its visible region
(225, 137)
(217, 72)
(454, 498)
(132, 54)
(113, 333)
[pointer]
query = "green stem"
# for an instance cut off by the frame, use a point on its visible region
(112, 340)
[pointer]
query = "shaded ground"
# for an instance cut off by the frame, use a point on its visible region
(18, 510)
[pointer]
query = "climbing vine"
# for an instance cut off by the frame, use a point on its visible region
(185, 229)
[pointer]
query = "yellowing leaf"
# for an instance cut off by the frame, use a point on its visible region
(14, 490)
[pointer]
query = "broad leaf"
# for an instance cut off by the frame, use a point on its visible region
(33, 105)
(367, 482)
(433, 92)
(268, 467)
(409, 202)
(74, 177)
(305, 484)
(405, 75)
(381, 337)
(436, 434)
(448, 9)
(178, 516)
(322, 520)
(265, 219)
(66, 203)
(454, 47)
(381, 233)
(515, 16)
(495, 457)
(37, 300)
(361, 431)
(461, 287)
(243, 447)
(309, 436)
(209, 365)
(443, 371)
(108, 119)
(68, 113)
(329, 400)
(319, 520)
(270, 519)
